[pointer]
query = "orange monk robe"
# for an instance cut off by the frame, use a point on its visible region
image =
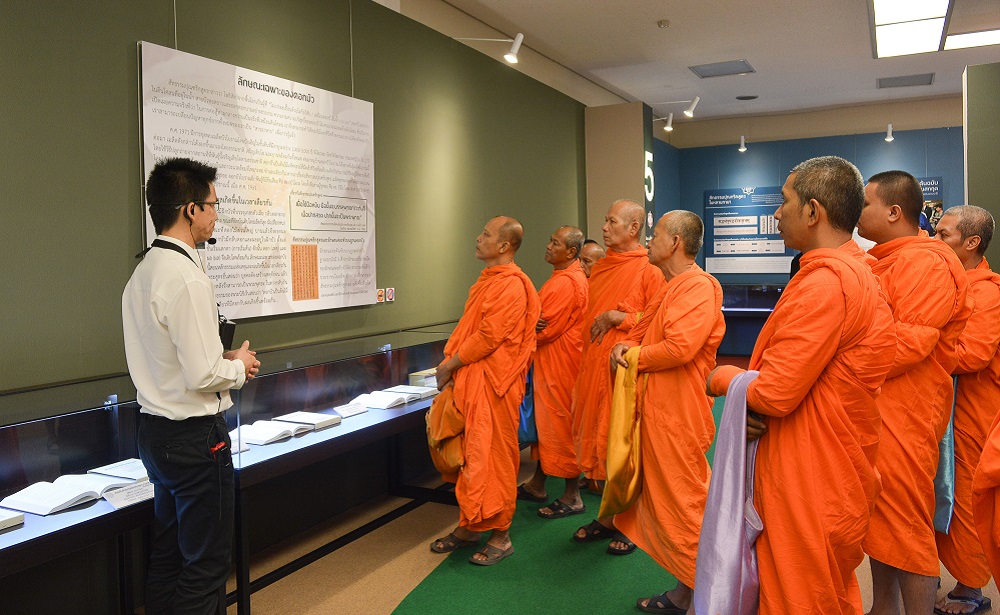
(977, 400)
(557, 363)
(494, 338)
(620, 281)
(677, 426)
(926, 286)
(822, 355)
(986, 498)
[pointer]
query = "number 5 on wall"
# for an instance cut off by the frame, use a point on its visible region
(648, 172)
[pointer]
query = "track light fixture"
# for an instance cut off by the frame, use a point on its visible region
(743, 144)
(510, 56)
(669, 126)
(694, 103)
(888, 135)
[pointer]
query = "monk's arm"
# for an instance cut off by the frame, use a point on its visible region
(690, 319)
(979, 341)
(503, 311)
(801, 348)
(639, 305)
(922, 297)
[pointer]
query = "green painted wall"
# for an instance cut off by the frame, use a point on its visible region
(982, 133)
(459, 137)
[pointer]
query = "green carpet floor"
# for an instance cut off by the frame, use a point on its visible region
(548, 572)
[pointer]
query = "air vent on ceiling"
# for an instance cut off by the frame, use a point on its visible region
(906, 81)
(721, 69)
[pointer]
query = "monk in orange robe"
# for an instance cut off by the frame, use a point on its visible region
(926, 287)
(590, 253)
(822, 356)
(677, 426)
(967, 230)
(557, 362)
(486, 360)
(623, 286)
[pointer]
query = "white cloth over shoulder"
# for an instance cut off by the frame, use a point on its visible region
(726, 578)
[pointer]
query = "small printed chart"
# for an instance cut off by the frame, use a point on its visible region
(305, 271)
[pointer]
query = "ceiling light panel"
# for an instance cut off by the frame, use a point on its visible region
(972, 39)
(897, 11)
(900, 39)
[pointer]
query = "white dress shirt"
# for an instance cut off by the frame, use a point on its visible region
(172, 347)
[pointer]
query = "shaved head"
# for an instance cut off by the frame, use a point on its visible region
(573, 237)
(688, 226)
(590, 254)
(629, 210)
(900, 188)
(973, 221)
(511, 231)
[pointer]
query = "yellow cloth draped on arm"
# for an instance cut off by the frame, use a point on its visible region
(624, 460)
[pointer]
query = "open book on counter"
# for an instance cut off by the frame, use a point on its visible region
(394, 396)
(10, 518)
(410, 391)
(266, 432)
(316, 419)
(129, 468)
(44, 498)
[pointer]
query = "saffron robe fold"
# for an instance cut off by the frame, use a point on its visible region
(822, 356)
(925, 286)
(677, 426)
(557, 363)
(977, 400)
(622, 281)
(494, 338)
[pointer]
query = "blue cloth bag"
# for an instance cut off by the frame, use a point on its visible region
(526, 431)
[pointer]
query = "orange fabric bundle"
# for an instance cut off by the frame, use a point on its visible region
(445, 426)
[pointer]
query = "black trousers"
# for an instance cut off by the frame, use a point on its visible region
(193, 498)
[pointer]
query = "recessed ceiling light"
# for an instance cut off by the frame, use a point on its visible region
(746, 97)
(900, 39)
(972, 39)
(897, 11)
(663, 23)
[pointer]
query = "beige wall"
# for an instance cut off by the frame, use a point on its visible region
(615, 146)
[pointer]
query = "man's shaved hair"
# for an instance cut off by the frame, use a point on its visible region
(574, 238)
(511, 231)
(836, 184)
(900, 188)
(631, 211)
(974, 222)
(689, 227)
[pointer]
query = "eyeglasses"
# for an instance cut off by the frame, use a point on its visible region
(213, 204)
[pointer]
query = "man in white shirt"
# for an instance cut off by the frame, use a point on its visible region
(182, 378)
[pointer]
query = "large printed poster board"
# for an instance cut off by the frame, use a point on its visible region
(741, 234)
(296, 228)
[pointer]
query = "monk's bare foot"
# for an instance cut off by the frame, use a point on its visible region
(963, 599)
(499, 540)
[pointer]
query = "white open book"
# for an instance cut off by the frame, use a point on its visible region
(350, 409)
(10, 518)
(316, 419)
(45, 498)
(384, 399)
(266, 432)
(420, 392)
(128, 468)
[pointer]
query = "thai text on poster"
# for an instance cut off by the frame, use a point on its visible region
(741, 234)
(296, 228)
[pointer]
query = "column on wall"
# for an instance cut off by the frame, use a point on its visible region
(981, 97)
(619, 146)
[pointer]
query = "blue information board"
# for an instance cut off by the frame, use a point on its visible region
(741, 234)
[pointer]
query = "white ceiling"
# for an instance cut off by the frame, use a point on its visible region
(808, 54)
